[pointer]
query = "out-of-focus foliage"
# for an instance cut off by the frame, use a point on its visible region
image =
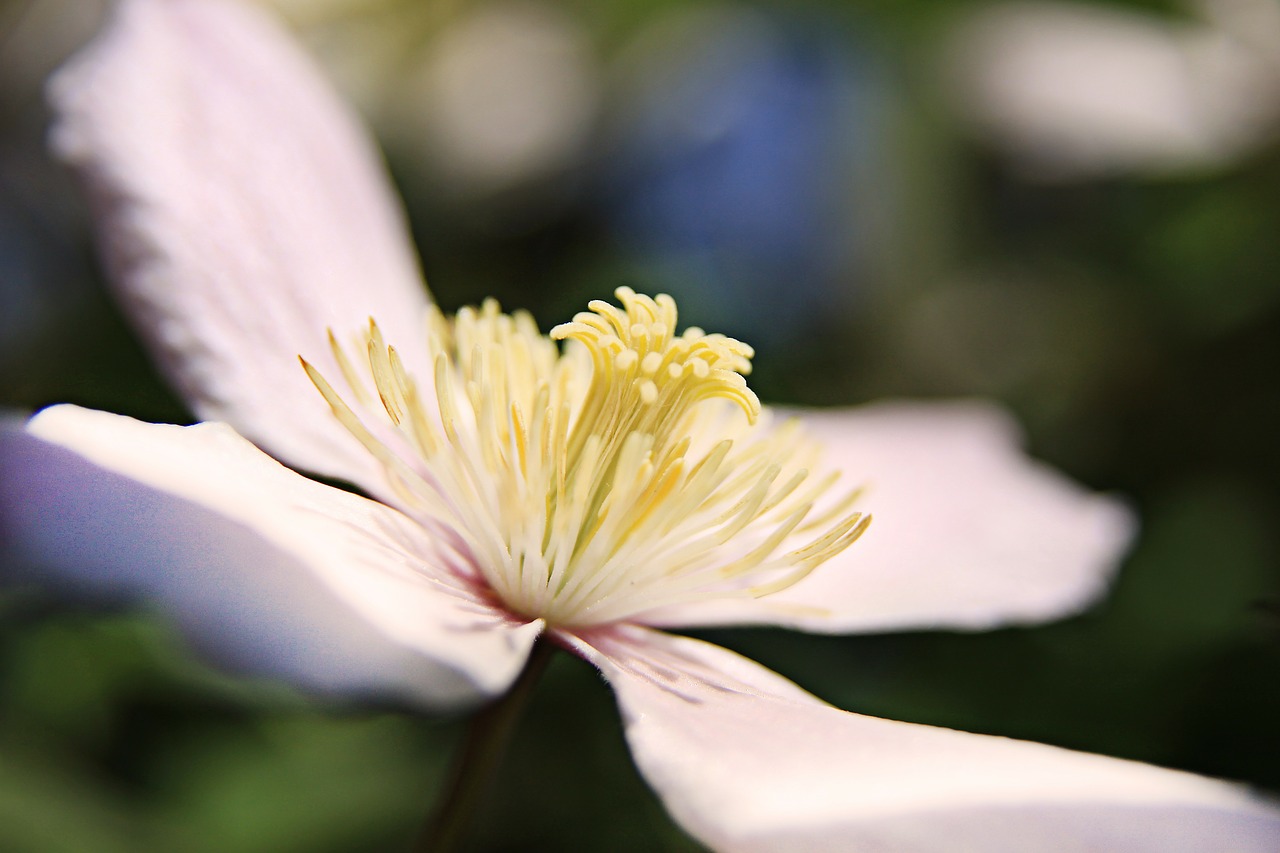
(824, 180)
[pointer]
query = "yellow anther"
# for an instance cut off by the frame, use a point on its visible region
(595, 483)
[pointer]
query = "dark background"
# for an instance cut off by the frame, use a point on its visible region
(823, 181)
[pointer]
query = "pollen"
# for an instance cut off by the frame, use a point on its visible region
(602, 473)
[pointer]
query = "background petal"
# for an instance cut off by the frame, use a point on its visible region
(241, 211)
(264, 569)
(967, 533)
(746, 761)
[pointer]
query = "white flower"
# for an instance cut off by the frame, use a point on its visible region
(516, 491)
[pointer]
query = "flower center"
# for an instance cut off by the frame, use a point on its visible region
(620, 476)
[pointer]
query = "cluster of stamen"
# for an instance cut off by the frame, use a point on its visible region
(620, 476)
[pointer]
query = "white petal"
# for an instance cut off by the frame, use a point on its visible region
(267, 570)
(241, 210)
(967, 532)
(746, 761)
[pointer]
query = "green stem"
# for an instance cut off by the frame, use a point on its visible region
(488, 734)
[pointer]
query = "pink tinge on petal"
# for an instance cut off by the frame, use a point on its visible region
(747, 761)
(265, 570)
(968, 532)
(242, 212)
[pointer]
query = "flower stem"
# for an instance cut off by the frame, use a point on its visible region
(473, 771)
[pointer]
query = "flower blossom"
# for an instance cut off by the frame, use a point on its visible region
(514, 487)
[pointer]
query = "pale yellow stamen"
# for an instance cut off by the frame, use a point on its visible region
(603, 482)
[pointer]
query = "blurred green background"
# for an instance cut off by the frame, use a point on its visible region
(1073, 209)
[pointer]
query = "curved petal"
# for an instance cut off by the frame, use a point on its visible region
(241, 211)
(746, 761)
(967, 532)
(266, 570)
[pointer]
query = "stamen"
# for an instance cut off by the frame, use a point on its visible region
(590, 484)
(352, 378)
